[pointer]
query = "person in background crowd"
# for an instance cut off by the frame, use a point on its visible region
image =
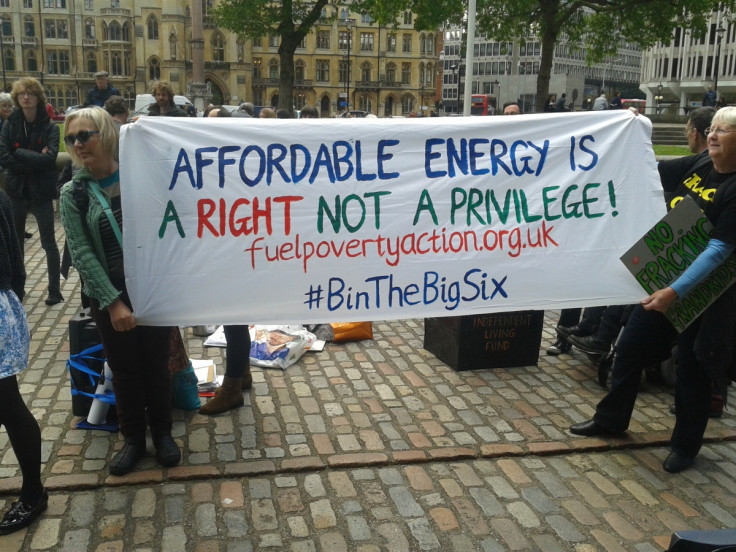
(709, 100)
(101, 91)
(616, 102)
(704, 348)
(23, 430)
(551, 104)
(560, 106)
(117, 107)
(282, 113)
(511, 108)
(309, 112)
(137, 355)
(721, 103)
(600, 103)
(267, 113)
(6, 108)
(29, 144)
(247, 108)
(164, 105)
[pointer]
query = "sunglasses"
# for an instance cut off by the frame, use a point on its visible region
(83, 136)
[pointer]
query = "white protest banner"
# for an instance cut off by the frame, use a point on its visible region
(275, 221)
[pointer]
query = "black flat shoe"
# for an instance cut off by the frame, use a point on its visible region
(54, 299)
(591, 428)
(22, 515)
(124, 461)
(167, 451)
(676, 463)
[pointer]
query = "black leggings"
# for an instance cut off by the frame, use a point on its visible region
(25, 438)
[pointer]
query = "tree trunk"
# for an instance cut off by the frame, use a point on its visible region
(549, 34)
(286, 75)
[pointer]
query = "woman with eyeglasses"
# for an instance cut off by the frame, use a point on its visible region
(29, 144)
(705, 348)
(137, 355)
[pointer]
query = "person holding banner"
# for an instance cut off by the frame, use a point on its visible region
(705, 347)
(22, 427)
(137, 355)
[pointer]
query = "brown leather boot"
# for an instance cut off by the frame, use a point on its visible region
(227, 397)
(247, 380)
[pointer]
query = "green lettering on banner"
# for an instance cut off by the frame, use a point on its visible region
(169, 216)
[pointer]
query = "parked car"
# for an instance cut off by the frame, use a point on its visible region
(353, 113)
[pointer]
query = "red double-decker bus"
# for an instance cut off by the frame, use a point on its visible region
(482, 104)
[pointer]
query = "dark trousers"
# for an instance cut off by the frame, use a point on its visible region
(237, 353)
(704, 348)
(25, 438)
(139, 360)
(44, 213)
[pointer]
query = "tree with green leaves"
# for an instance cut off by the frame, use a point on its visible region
(596, 25)
(292, 20)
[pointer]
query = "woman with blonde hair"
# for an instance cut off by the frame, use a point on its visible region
(137, 355)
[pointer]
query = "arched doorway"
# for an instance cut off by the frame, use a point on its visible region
(389, 109)
(324, 106)
(275, 101)
(217, 95)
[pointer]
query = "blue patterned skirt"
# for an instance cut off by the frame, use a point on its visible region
(15, 339)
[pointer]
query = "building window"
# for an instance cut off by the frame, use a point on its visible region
(406, 73)
(89, 4)
(406, 44)
(54, 4)
(302, 43)
(116, 64)
(391, 42)
(4, 3)
(91, 62)
(365, 103)
(366, 42)
(407, 105)
(366, 19)
(114, 4)
(257, 68)
(89, 28)
(116, 33)
(8, 59)
(29, 27)
(342, 40)
(407, 17)
(31, 61)
(429, 44)
(300, 100)
(342, 74)
(323, 39)
(218, 48)
(365, 71)
(258, 97)
(28, 4)
(154, 69)
(299, 70)
(56, 28)
(273, 41)
(6, 26)
(344, 13)
(391, 72)
(273, 69)
(57, 62)
(152, 28)
(323, 70)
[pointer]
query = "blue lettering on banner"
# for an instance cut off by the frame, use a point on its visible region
(382, 291)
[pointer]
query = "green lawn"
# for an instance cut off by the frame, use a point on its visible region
(671, 150)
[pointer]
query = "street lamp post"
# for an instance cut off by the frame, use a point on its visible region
(2, 56)
(719, 33)
(603, 84)
(348, 24)
(454, 68)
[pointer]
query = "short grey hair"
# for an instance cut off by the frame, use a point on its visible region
(725, 115)
(5, 99)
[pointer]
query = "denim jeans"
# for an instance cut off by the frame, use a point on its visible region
(44, 212)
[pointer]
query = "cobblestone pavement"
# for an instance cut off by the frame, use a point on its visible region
(367, 447)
